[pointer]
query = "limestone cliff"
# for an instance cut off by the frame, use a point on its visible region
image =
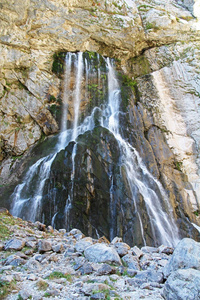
(156, 44)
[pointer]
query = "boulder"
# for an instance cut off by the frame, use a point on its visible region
(14, 260)
(166, 250)
(58, 248)
(183, 285)
(186, 255)
(148, 276)
(86, 269)
(131, 262)
(83, 244)
(101, 253)
(148, 249)
(14, 244)
(136, 251)
(105, 269)
(122, 248)
(44, 246)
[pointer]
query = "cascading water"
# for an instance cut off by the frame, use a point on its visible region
(102, 84)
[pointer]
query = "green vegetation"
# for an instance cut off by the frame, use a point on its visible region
(127, 81)
(5, 222)
(149, 26)
(178, 165)
(56, 274)
(128, 88)
(6, 288)
(144, 7)
(117, 5)
(58, 63)
(15, 157)
(106, 292)
(47, 295)
(196, 213)
(4, 232)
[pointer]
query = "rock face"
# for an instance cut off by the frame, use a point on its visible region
(157, 49)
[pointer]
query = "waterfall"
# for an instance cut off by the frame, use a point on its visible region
(27, 197)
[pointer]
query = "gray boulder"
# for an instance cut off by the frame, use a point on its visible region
(186, 255)
(83, 244)
(86, 269)
(14, 260)
(183, 285)
(44, 246)
(105, 269)
(122, 248)
(14, 244)
(101, 253)
(131, 261)
(58, 248)
(136, 251)
(148, 276)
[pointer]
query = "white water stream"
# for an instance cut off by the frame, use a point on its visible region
(162, 223)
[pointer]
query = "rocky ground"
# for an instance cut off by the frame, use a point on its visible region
(38, 262)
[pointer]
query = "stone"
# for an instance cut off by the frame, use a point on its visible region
(14, 244)
(149, 276)
(146, 286)
(39, 257)
(131, 272)
(103, 239)
(32, 277)
(148, 249)
(131, 262)
(182, 284)
(70, 251)
(24, 294)
(58, 248)
(14, 260)
(102, 253)
(82, 245)
(53, 292)
(30, 244)
(136, 251)
(75, 231)
(97, 296)
(50, 229)
(18, 277)
(79, 262)
(86, 269)
(186, 255)
(33, 265)
(105, 269)
(44, 246)
(29, 252)
(165, 249)
(62, 231)
(116, 240)
(40, 226)
(122, 248)
(7, 278)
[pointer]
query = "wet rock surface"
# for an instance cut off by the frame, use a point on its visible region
(71, 274)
